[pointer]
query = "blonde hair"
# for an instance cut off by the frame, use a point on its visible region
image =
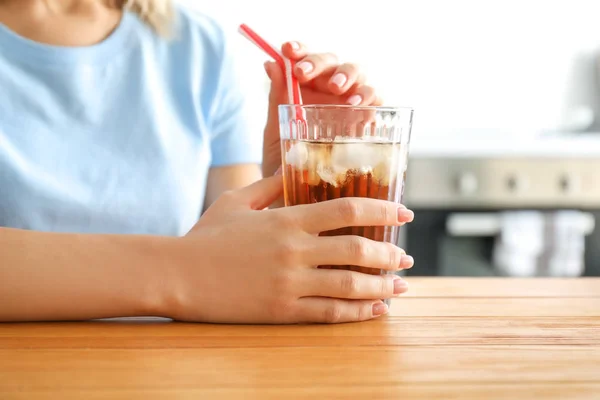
(157, 14)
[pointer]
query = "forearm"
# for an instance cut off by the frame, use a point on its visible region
(49, 276)
(232, 177)
(269, 165)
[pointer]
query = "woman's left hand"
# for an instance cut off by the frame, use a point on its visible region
(323, 80)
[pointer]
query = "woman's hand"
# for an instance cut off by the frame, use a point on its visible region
(323, 80)
(243, 263)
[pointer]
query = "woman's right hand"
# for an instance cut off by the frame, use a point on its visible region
(243, 263)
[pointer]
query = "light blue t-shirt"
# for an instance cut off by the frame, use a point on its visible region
(118, 137)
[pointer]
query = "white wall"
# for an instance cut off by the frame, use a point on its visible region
(482, 67)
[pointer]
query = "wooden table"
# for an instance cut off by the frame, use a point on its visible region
(449, 338)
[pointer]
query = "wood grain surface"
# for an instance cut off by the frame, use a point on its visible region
(449, 338)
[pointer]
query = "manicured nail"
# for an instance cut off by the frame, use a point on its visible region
(339, 79)
(405, 215)
(278, 172)
(295, 45)
(400, 286)
(355, 100)
(305, 66)
(379, 308)
(406, 262)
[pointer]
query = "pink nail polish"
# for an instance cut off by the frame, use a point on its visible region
(355, 100)
(295, 45)
(305, 66)
(339, 80)
(379, 309)
(400, 286)
(406, 262)
(278, 172)
(405, 215)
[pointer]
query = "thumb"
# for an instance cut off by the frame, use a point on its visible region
(260, 194)
(278, 92)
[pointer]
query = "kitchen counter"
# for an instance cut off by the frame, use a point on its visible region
(551, 146)
(467, 338)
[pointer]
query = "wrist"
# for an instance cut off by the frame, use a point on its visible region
(178, 292)
(158, 293)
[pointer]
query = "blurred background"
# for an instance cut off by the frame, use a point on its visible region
(504, 170)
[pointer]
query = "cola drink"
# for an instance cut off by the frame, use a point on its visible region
(322, 170)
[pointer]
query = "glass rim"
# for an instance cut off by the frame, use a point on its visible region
(347, 107)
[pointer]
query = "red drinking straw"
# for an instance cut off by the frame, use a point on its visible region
(286, 64)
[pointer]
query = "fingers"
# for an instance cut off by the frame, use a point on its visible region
(328, 76)
(334, 311)
(339, 80)
(256, 196)
(362, 95)
(314, 65)
(294, 50)
(359, 251)
(345, 77)
(349, 211)
(344, 284)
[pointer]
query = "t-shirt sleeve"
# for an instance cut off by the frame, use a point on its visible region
(235, 139)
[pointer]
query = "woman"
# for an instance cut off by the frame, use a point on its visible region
(120, 123)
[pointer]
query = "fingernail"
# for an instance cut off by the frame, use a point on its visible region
(305, 66)
(355, 100)
(379, 308)
(339, 79)
(400, 286)
(406, 262)
(295, 45)
(278, 172)
(405, 215)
